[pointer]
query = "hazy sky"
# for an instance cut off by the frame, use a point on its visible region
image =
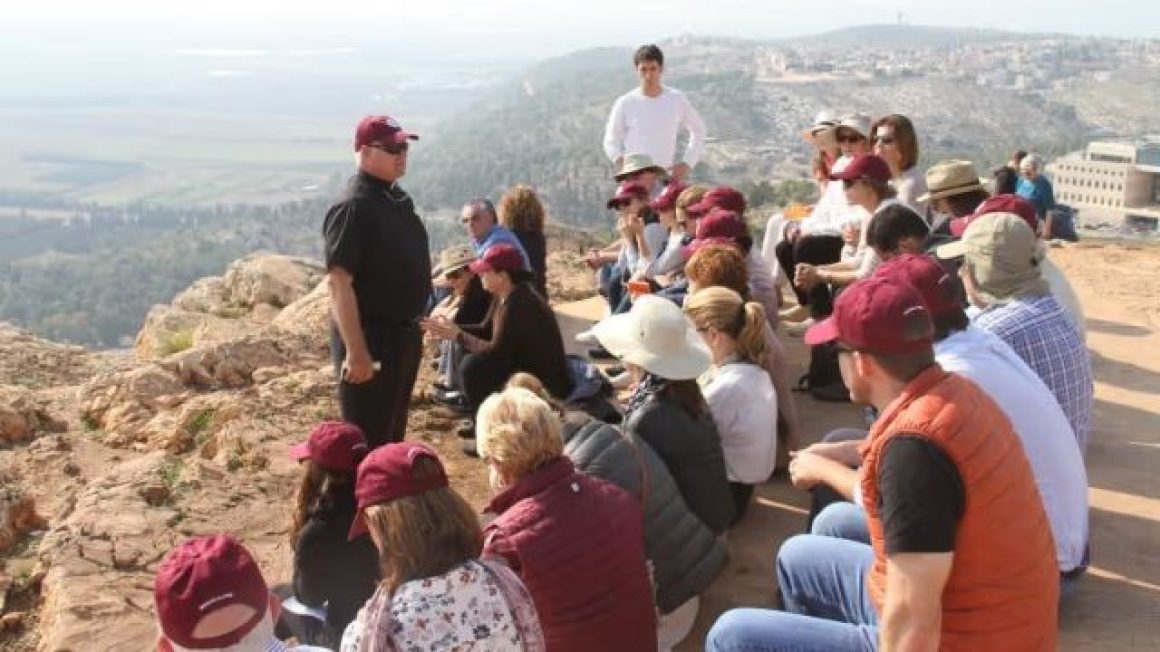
(526, 27)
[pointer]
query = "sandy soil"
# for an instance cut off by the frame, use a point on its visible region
(1117, 606)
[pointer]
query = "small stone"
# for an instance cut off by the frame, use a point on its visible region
(71, 469)
(11, 621)
(155, 494)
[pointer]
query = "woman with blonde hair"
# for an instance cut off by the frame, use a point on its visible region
(522, 212)
(737, 388)
(576, 541)
(435, 592)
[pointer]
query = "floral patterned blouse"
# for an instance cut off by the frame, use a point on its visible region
(478, 605)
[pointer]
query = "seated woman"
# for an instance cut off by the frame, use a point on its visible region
(576, 541)
(666, 409)
(436, 593)
(684, 553)
(467, 303)
(522, 212)
(330, 572)
(724, 266)
(737, 388)
(867, 184)
(524, 335)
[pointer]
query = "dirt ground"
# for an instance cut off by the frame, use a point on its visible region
(1117, 605)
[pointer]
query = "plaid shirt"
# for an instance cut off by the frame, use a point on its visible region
(1039, 330)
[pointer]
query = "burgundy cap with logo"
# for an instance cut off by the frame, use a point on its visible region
(380, 129)
(626, 192)
(386, 475)
(667, 200)
(720, 227)
(204, 575)
(499, 258)
(333, 445)
(877, 316)
(864, 166)
(1006, 203)
(925, 274)
(723, 197)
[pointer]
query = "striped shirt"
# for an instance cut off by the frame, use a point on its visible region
(1042, 333)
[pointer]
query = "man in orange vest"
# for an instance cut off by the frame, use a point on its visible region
(961, 554)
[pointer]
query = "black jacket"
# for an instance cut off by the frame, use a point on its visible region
(536, 246)
(330, 570)
(691, 449)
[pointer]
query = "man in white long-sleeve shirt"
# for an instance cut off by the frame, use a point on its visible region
(648, 119)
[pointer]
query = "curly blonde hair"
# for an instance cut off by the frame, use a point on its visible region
(517, 432)
(521, 209)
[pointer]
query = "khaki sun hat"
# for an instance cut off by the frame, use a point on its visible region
(1002, 255)
(453, 259)
(821, 132)
(949, 178)
(634, 163)
(656, 336)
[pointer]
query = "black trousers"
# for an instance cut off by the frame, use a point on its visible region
(813, 250)
(742, 496)
(483, 374)
(380, 405)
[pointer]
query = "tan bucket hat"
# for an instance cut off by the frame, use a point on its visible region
(636, 163)
(949, 178)
(1002, 254)
(455, 258)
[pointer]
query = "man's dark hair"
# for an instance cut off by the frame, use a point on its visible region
(882, 189)
(965, 204)
(892, 225)
(948, 324)
(648, 52)
(1018, 155)
(1006, 181)
(904, 367)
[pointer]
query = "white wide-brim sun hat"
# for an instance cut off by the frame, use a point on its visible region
(656, 336)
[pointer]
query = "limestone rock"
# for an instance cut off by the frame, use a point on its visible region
(309, 315)
(262, 278)
(18, 515)
(22, 415)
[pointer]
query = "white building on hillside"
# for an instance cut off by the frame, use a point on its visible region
(1111, 183)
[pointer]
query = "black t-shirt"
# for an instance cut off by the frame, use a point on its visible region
(374, 234)
(475, 305)
(921, 497)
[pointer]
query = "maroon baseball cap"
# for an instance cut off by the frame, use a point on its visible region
(925, 274)
(380, 129)
(385, 475)
(864, 166)
(719, 227)
(722, 197)
(498, 258)
(202, 576)
(1006, 203)
(875, 316)
(667, 200)
(333, 445)
(627, 191)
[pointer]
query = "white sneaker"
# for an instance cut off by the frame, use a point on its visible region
(795, 313)
(621, 380)
(587, 338)
(797, 328)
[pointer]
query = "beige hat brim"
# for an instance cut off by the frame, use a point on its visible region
(950, 192)
(661, 172)
(619, 335)
(951, 250)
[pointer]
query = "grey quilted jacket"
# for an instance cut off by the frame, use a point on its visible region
(686, 556)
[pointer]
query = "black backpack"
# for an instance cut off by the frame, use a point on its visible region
(824, 379)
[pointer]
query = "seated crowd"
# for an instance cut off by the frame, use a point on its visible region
(957, 520)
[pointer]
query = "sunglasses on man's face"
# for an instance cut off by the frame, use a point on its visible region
(393, 149)
(849, 183)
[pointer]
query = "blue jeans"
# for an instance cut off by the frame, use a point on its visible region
(823, 587)
(844, 520)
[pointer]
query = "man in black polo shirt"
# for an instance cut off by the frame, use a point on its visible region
(378, 267)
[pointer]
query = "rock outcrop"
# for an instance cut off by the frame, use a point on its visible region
(23, 415)
(218, 309)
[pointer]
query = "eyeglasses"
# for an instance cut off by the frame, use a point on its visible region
(455, 276)
(885, 140)
(850, 138)
(469, 219)
(849, 183)
(394, 149)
